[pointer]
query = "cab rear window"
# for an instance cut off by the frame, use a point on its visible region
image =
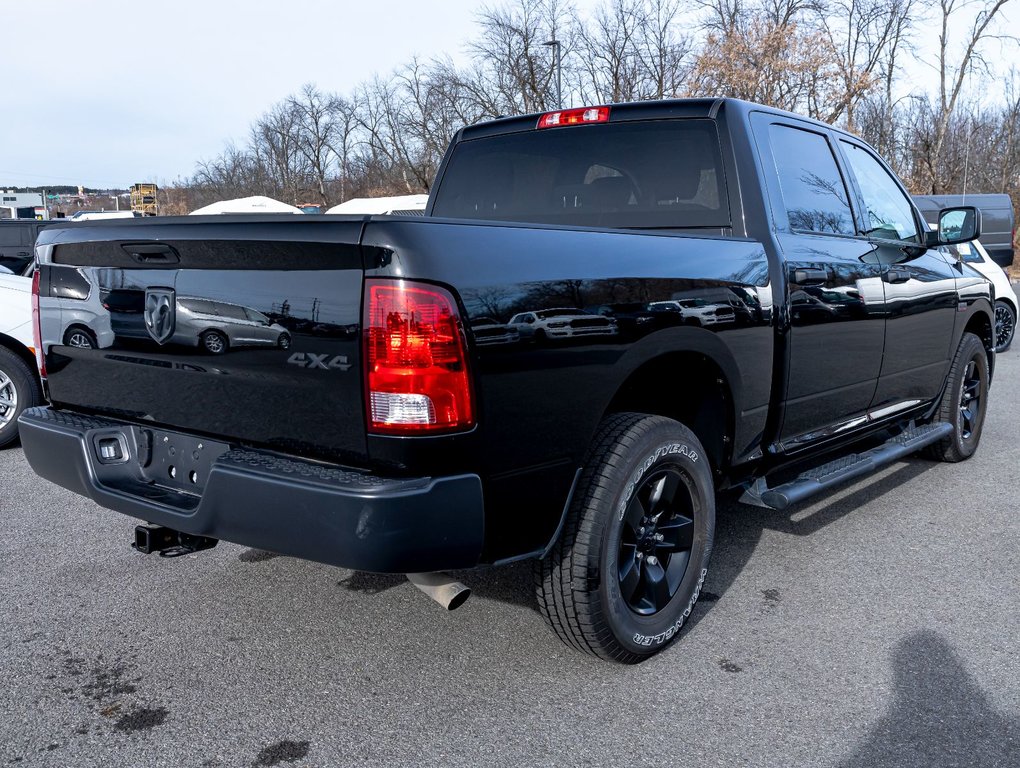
(643, 174)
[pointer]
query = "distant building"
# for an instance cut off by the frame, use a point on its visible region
(21, 205)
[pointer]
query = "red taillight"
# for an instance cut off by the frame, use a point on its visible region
(417, 375)
(580, 116)
(40, 356)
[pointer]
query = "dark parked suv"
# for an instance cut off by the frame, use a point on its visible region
(17, 238)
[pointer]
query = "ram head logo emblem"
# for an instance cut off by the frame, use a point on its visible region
(160, 313)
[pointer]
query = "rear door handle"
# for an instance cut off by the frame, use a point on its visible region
(809, 276)
(896, 275)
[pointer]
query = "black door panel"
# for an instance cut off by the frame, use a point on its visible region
(920, 313)
(920, 285)
(836, 334)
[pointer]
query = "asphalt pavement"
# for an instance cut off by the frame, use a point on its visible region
(877, 626)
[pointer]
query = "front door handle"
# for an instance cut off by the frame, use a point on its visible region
(809, 276)
(896, 275)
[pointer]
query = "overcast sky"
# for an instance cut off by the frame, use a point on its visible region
(109, 93)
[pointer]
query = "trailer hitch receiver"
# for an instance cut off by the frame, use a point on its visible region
(168, 542)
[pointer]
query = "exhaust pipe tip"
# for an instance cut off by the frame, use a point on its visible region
(441, 587)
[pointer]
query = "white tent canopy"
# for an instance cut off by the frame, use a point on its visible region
(256, 204)
(382, 205)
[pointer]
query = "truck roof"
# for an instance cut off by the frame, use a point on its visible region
(638, 110)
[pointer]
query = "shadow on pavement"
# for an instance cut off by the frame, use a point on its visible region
(739, 528)
(939, 715)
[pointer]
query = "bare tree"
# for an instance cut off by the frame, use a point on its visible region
(631, 50)
(953, 74)
(515, 71)
(316, 136)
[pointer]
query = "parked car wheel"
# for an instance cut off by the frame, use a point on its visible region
(214, 342)
(629, 565)
(964, 402)
(18, 391)
(284, 341)
(1005, 325)
(79, 338)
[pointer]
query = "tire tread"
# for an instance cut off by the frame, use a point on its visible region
(566, 602)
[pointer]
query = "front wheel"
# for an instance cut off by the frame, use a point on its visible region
(284, 341)
(630, 563)
(1005, 324)
(964, 402)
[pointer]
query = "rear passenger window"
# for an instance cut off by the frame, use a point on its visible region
(813, 190)
(200, 306)
(11, 235)
(68, 284)
(230, 311)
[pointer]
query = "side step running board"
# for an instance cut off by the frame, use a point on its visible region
(845, 468)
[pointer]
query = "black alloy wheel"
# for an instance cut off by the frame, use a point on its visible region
(964, 402)
(656, 541)
(970, 401)
(625, 573)
(1005, 325)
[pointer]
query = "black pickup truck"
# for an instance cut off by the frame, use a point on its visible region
(606, 316)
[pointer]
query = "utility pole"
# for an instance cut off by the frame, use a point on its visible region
(559, 70)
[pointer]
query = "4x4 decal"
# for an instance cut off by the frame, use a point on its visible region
(322, 362)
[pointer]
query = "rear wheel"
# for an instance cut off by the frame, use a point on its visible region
(18, 391)
(1005, 325)
(79, 338)
(964, 402)
(629, 566)
(214, 342)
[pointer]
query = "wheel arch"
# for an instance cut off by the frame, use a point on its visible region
(982, 325)
(81, 326)
(15, 346)
(690, 386)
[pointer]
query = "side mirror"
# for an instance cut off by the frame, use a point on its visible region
(957, 225)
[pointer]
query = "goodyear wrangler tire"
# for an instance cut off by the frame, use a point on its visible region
(629, 565)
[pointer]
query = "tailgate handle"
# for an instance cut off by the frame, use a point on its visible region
(152, 253)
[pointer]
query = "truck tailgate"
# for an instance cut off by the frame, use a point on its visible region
(245, 331)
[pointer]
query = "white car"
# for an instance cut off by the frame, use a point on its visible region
(19, 382)
(974, 254)
(561, 323)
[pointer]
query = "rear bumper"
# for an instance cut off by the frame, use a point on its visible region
(327, 514)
